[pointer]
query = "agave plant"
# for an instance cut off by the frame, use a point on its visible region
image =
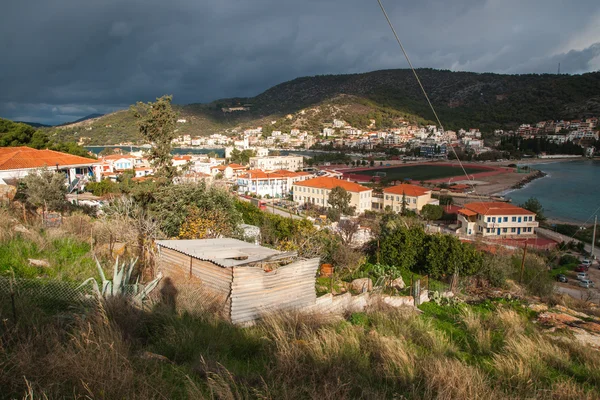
(120, 284)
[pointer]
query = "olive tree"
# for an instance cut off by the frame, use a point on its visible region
(45, 188)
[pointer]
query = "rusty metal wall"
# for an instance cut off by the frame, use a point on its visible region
(255, 292)
(185, 268)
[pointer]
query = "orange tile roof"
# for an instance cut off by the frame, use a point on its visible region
(407, 189)
(326, 182)
(26, 157)
(467, 212)
(260, 174)
(497, 208)
(182, 158)
(236, 166)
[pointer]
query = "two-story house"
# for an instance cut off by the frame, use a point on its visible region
(415, 197)
(316, 191)
(496, 219)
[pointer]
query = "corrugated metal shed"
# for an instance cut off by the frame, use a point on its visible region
(234, 269)
(223, 252)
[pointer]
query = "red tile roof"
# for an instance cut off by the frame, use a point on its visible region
(236, 166)
(325, 182)
(26, 157)
(407, 189)
(467, 212)
(497, 208)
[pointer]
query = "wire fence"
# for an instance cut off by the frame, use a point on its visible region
(21, 297)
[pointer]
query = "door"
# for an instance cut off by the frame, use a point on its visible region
(498, 231)
(518, 231)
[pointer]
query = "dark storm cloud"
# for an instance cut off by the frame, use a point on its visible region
(64, 59)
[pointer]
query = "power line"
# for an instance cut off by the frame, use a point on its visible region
(426, 96)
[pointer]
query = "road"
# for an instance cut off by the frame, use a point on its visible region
(564, 238)
(275, 210)
(573, 289)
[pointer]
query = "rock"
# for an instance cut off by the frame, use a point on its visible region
(398, 283)
(362, 285)
(39, 263)
(538, 307)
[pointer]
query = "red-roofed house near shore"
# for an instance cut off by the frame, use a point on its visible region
(496, 219)
(18, 162)
(316, 191)
(415, 197)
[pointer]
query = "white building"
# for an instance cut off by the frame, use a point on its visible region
(496, 219)
(271, 163)
(18, 162)
(316, 191)
(273, 184)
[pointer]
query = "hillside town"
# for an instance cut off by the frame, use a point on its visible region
(409, 138)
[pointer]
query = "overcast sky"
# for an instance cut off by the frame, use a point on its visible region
(64, 59)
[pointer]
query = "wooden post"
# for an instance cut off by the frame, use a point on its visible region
(523, 263)
(191, 267)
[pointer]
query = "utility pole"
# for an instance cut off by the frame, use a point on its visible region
(594, 236)
(523, 263)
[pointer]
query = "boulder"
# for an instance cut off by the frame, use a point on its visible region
(398, 283)
(362, 285)
(39, 263)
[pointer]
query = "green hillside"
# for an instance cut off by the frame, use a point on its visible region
(463, 100)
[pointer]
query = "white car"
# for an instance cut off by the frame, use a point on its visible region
(582, 276)
(586, 283)
(586, 263)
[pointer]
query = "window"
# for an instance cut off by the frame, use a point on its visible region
(493, 219)
(514, 219)
(531, 218)
(397, 198)
(505, 219)
(504, 230)
(414, 201)
(513, 230)
(488, 219)
(519, 219)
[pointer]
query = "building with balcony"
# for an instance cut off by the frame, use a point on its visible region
(273, 184)
(414, 196)
(496, 219)
(271, 163)
(316, 191)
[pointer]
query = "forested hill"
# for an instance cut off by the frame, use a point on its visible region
(462, 99)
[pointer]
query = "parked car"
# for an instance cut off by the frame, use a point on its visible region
(562, 278)
(586, 283)
(581, 268)
(582, 276)
(587, 263)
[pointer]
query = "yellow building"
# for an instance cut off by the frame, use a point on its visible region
(496, 219)
(415, 196)
(316, 191)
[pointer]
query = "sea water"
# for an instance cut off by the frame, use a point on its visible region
(569, 192)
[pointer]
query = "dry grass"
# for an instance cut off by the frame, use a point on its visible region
(448, 379)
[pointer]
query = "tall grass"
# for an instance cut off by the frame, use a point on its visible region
(114, 352)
